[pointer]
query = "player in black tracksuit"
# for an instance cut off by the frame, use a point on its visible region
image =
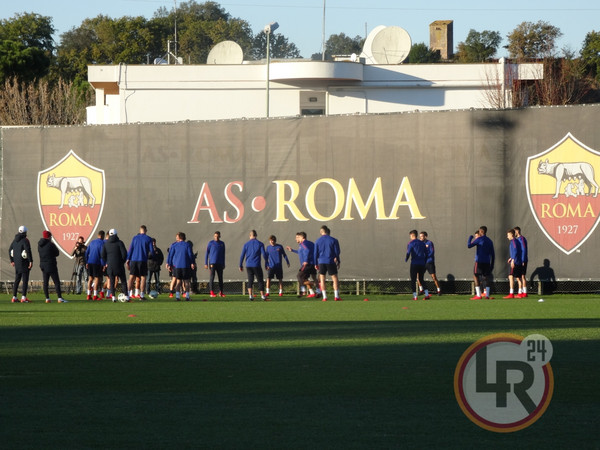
(114, 253)
(22, 260)
(48, 252)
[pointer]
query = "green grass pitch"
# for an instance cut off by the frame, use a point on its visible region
(286, 374)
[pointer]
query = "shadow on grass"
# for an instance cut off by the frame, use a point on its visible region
(274, 385)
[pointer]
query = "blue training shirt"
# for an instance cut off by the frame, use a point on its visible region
(252, 251)
(485, 249)
(93, 254)
(416, 250)
(141, 248)
(215, 253)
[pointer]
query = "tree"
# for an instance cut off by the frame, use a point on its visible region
(103, 40)
(200, 26)
(533, 40)
(280, 47)
(26, 46)
(478, 46)
(340, 44)
(422, 54)
(590, 53)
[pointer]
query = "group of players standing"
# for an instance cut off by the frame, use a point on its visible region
(322, 257)
(109, 257)
(422, 255)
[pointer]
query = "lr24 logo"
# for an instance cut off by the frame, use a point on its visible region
(504, 382)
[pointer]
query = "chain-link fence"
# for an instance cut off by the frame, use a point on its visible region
(374, 287)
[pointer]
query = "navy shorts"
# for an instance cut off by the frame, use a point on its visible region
(516, 271)
(430, 268)
(138, 268)
(182, 274)
(484, 269)
(276, 272)
(95, 270)
(330, 269)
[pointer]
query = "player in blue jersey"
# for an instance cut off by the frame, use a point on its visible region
(181, 262)
(306, 250)
(327, 260)
(515, 262)
(252, 252)
(95, 265)
(416, 251)
(140, 250)
(214, 260)
(430, 264)
(484, 261)
(275, 256)
(524, 259)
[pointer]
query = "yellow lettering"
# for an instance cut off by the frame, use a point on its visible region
(282, 203)
(574, 212)
(353, 196)
(559, 210)
(69, 219)
(589, 211)
(405, 191)
(311, 207)
(546, 211)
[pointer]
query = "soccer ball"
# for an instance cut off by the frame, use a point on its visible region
(123, 298)
(153, 294)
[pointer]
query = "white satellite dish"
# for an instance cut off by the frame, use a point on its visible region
(391, 45)
(226, 52)
(367, 54)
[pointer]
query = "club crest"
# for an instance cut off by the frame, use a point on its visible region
(562, 187)
(71, 199)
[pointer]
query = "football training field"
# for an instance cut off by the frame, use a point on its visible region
(229, 373)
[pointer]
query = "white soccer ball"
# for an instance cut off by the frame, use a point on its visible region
(541, 300)
(153, 294)
(123, 298)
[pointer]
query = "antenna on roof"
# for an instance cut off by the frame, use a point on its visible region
(323, 35)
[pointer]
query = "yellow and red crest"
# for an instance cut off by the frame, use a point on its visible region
(71, 199)
(562, 187)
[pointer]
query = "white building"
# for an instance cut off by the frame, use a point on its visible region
(164, 93)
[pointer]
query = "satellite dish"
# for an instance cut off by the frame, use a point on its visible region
(226, 52)
(367, 52)
(391, 45)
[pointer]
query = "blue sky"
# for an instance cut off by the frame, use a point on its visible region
(302, 21)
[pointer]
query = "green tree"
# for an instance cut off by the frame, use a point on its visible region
(590, 53)
(280, 47)
(103, 40)
(200, 26)
(26, 46)
(340, 44)
(422, 54)
(533, 40)
(478, 46)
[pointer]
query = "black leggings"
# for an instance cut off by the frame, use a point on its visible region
(258, 273)
(24, 276)
(416, 271)
(218, 269)
(47, 274)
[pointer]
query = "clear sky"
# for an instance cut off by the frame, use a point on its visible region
(301, 21)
